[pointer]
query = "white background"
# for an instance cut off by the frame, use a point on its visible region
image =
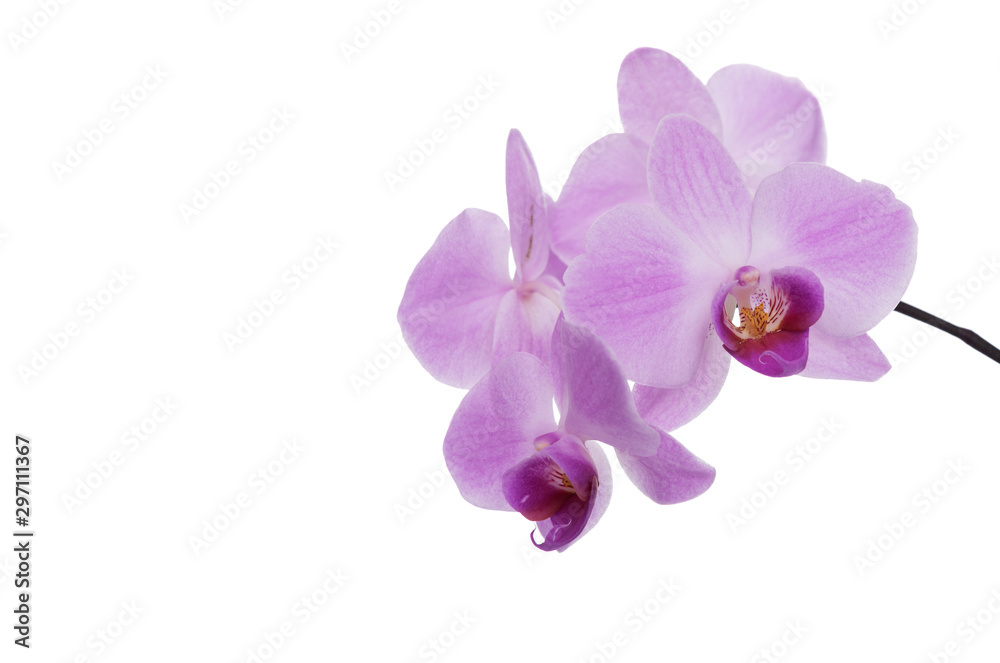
(371, 450)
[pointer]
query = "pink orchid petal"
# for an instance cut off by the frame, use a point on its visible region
(653, 84)
(854, 358)
(855, 236)
(595, 400)
(495, 426)
(610, 172)
(768, 120)
(695, 184)
(527, 207)
(524, 324)
(673, 475)
(554, 269)
(576, 518)
(645, 288)
(670, 409)
(450, 303)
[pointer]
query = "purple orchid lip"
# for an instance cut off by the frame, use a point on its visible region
(777, 355)
(776, 310)
(568, 523)
(539, 486)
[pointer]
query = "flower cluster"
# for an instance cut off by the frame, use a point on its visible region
(709, 230)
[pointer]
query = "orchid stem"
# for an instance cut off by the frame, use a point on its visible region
(970, 337)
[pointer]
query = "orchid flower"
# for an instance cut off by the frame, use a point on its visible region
(811, 262)
(506, 451)
(766, 121)
(461, 309)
